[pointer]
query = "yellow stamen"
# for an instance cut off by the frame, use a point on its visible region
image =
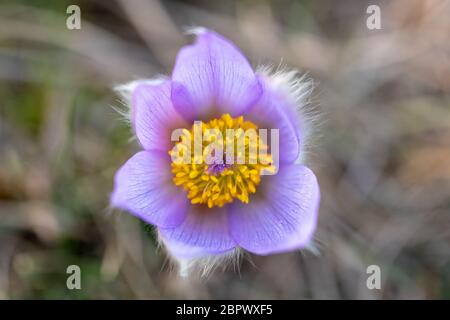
(221, 183)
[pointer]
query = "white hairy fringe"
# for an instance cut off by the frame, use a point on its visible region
(125, 92)
(194, 30)
(203, 266)
(297, 88)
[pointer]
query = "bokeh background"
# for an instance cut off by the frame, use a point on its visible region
(381, 151)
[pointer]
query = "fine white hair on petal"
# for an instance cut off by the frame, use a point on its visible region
(203, 266)
(125, 92)
(194, 30)
(297, 88)
(313, 248)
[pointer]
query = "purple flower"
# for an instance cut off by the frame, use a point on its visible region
(209, 211)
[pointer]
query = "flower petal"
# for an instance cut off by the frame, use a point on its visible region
(143, 186)
(211, 77)
(271, 112)
(283, 217)
(153, 116)
(203, 232)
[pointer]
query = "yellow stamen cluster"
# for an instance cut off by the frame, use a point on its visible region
(216, 184)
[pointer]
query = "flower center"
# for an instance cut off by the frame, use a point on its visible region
(219, 161)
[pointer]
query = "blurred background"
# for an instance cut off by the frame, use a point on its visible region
(381, 152)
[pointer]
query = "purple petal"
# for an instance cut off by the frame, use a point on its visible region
(203, 232)
(272, 112)
(143, 186)
(282, 217)
(153, 115)
(212, 77)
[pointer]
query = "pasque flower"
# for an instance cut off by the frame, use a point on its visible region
(205, 211)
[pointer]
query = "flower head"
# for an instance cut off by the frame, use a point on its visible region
(209, 178)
